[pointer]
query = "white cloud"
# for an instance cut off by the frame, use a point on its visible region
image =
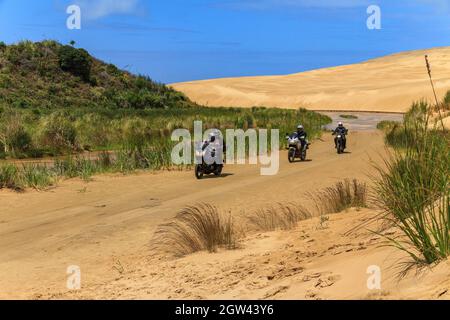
(95, 9)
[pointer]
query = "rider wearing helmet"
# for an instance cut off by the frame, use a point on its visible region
(215, 142)
(302, 133)
(212, 139)
(340, 130)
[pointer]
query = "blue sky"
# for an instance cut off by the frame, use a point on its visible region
(180, 40)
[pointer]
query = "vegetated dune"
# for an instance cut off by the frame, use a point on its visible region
(314, 261)
(386, 84)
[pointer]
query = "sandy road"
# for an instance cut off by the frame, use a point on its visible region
(97, 224)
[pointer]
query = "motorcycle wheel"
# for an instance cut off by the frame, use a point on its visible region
(218, 171)
(198, 172)
(303, 157)
(291, 155)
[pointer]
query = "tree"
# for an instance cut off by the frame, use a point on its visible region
(76, 61)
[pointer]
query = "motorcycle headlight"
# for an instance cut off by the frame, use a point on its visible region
(339, 137)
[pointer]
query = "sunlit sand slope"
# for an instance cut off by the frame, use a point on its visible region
(387, 84)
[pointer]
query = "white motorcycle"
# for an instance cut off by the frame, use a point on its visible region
(202, 167)
(295, 148)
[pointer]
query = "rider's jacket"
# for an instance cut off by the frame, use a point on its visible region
(300, 134)
(341, 130)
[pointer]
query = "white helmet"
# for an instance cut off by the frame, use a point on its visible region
(340, 124)
(300, 127)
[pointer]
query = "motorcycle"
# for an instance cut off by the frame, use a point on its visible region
(295, 148)
(203, 168)
(340, 142)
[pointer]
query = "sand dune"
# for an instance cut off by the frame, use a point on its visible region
(386, 84)
(106, 226)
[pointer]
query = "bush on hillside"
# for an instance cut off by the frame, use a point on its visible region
(76, 61)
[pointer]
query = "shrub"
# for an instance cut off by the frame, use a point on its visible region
(76, 61)
(58, 133)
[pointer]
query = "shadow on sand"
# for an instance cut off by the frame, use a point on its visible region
(211, 176)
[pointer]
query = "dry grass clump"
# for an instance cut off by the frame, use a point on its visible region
(201, 227)
(197, 228)
(342, 196)
(282, 216)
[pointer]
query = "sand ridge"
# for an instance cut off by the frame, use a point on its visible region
(387, 84)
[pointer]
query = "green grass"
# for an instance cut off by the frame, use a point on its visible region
(348, 116)
(413, 187)
(10, 177)
(386, 125)
(69, 131)
(19, 178)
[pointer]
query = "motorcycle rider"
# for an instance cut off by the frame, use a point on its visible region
(211, 140)
(302, 133)
(215, 142)
(343, 131)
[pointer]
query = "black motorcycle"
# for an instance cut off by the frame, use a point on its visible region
(203, 168)
(341, 142)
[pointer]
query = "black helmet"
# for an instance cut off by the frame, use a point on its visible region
(212, 137)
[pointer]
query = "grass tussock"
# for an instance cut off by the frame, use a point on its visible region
(197, 228)
(413, 187)
(341, 196)
(203, 228)
(9, 178)
(281, 216)
(28, 176)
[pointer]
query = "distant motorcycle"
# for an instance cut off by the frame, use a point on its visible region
(295, 148)
(340, 142)
(203, 168)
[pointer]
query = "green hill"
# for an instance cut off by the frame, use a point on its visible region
(49, 75)
(59, 100)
